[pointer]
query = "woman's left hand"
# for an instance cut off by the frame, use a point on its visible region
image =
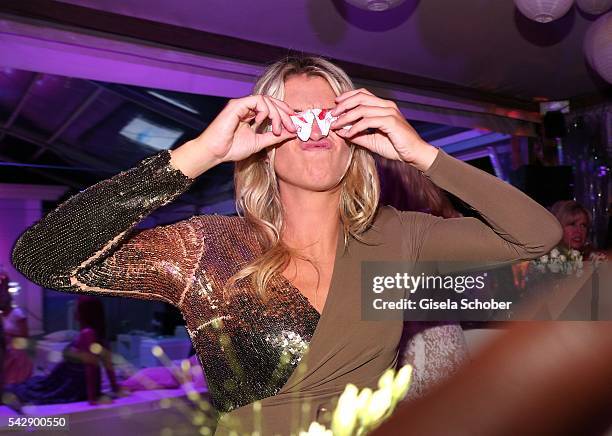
(379, 126)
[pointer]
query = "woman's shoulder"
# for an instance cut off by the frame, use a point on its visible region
(216, 224)
(208, 224)
(225, 232)
(404, 230)
(215, 218)
(391, 215)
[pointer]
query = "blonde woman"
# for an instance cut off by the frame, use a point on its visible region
(272, 298)
(575, 220)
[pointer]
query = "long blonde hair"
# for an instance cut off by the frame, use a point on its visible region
(567, 210)
(256, 188)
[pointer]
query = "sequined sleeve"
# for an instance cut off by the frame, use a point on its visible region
(435, 352)
(88, 244)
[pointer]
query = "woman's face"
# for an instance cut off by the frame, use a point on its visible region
(300, 164)
(575, 232)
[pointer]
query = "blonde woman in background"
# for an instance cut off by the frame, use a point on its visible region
(575, 220)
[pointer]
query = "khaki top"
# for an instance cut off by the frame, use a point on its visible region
(280, 354)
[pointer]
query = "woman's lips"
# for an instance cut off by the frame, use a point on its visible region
(323, 144)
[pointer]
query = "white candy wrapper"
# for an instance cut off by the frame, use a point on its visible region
(324, 120)
(303, 122)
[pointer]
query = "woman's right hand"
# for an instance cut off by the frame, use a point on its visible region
(233, 136)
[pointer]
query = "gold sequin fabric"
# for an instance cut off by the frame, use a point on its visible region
(248, 348)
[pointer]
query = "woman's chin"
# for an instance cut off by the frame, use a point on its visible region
(322, 186)
(318, 184)
(314, 181)
(576, 245)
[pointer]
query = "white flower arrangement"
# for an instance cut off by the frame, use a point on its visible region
(358, 413)
(598, 258)
(568, 262)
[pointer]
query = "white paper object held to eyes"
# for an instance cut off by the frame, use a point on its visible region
(303, 122)
(324, 119)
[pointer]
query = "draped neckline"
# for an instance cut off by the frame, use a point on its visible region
(325, 313)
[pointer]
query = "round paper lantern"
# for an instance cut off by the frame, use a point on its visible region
(594, 7)
(543, 11)
(375, 5)
(598, 46)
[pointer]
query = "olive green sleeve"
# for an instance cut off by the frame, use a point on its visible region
(513, 226)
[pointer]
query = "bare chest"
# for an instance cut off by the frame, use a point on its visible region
(315, 287)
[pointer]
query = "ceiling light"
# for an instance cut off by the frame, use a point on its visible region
(153, 135)
(375, 5)
(543, 11)
(594, 7)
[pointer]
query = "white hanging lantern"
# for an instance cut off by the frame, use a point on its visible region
(594, 7)
(543, 11)
(375, 5)
(598, 46)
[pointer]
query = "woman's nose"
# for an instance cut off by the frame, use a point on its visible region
(315, 133)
